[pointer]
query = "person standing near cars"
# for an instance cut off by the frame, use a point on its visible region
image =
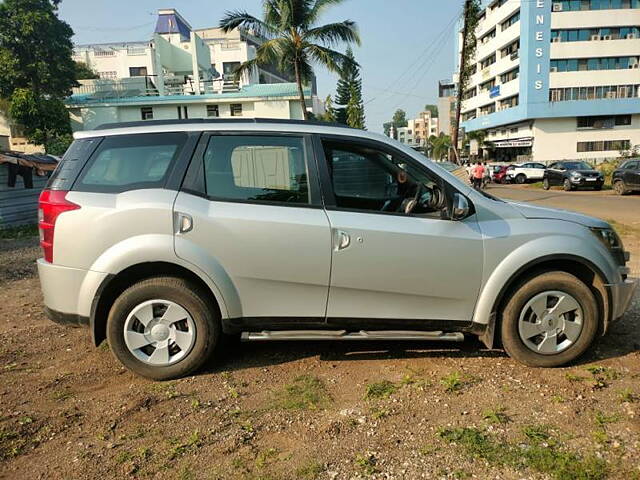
(477, 173)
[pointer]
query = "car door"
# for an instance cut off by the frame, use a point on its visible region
(554, 174)
(538, 170)
(387, 264)
(258, 224)
(631, 174)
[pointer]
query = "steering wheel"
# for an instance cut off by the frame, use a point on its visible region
(410, 205)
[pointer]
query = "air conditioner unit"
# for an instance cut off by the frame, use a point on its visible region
(595, 37)
(557, 7)
(607, 37)
(631, 36)
(554, 69)
(556, 39)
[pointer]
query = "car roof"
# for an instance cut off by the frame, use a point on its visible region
(244, 124)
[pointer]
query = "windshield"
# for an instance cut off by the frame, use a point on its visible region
(577, 166)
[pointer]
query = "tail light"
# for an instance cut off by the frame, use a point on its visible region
(52, 203)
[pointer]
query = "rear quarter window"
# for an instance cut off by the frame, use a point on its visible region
(131, 162)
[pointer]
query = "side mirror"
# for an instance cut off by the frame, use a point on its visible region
(460, 207)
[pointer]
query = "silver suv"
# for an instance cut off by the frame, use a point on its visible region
(169, 238)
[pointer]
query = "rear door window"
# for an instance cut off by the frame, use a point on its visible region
(131, 162)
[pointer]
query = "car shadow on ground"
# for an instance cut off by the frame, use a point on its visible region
(622, 339)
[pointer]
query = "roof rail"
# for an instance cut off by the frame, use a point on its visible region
(190, 121)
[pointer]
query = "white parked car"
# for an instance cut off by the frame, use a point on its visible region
(526, 172)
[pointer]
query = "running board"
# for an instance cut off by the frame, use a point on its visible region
(313, 335)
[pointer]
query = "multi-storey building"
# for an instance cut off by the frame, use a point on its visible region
(556, 79)
(446, 106)
(418, 130)
(182, 73)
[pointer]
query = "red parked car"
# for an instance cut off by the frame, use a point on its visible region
(499, 173)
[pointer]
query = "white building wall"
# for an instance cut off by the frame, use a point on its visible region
(557, 139)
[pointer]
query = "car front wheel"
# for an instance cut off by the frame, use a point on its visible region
(521, 178)
(163, 328)
(545, 184)
(567, 185)
(550, 320)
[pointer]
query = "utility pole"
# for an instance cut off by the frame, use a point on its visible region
(455, 158)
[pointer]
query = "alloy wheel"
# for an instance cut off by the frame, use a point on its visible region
(550, 322)
(159, 332)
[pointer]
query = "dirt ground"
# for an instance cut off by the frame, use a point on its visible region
(308, 411)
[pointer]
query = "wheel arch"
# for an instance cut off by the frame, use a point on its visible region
(114, 284)
(580, 267)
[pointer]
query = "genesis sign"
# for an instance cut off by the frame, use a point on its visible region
(539, 36)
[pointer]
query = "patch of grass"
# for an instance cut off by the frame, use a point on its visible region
(62, 395)
(378, 413)
(573, 378)
(558, 399)
(455, 382)
(233, 392)
(607, 373)
(167, 389)
(601, 419)
(18, 232)
(310, 471)
(383, 389)
(496, 415)
(144, 453)
(193, 442)
(547, 459)
(537, 433)
(123, 457)
(600, 436)
(627, 395)
(104, 346)
(366, 464)
(306, 392)
(266, 457)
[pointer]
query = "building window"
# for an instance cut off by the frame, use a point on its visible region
(577, 5)
(604, 146)
(137, 71)
(510, 75)
(488, 109)
(472, 92)
(213, 111)
(236, 109)
(146, 113)
(469, 115)
(490, 60)
(183, 112)
(591, 34)
(610, 121)
(593, 93)
(488, 36)
(589, 64)
(487, 85)
(511, 49)
(509, 102)
(513, 19)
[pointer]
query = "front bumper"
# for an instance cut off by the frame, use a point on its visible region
(621, 295)
(583, 182)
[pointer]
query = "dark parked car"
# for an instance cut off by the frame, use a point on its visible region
(626, 178)
(572, 175)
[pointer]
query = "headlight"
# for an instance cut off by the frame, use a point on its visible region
(576, 174)
(609, 239)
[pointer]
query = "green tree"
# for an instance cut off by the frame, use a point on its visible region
(440, 146)
(349, 83)
(398, 120)
(294, 41)
(36, 68)
(433, 109)
(84, 72)
(355, 109)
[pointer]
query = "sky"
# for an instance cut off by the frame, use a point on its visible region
(407, 45)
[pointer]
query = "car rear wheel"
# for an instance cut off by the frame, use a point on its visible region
(567, 185)
(545, 184)
(620, 188)
(550, 320)
(521, 178)
(163, 328)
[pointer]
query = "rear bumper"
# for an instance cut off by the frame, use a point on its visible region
(68, 292)
(621, 296)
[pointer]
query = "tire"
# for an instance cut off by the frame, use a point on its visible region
(521, 178)
(518, 311)
(545, 184)
(194, 320)
(567, 185)
(620, 188)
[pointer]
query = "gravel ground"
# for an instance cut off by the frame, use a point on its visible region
(306, 411)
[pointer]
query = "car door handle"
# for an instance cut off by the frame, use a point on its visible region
(342, 240)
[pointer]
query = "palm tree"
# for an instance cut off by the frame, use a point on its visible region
(294, 41)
